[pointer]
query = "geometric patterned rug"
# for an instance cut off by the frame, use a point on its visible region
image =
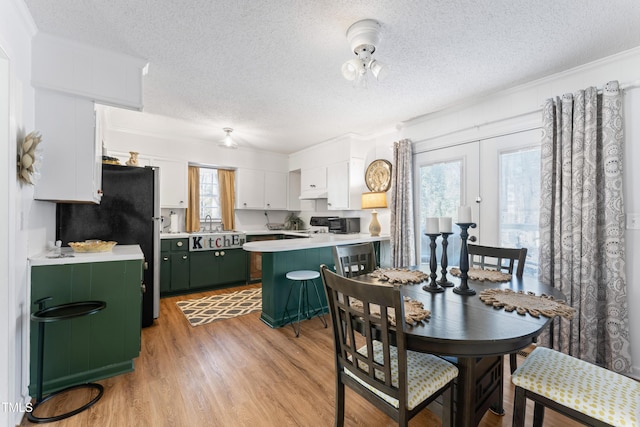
(224, 306)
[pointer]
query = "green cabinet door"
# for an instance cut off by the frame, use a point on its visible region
(92, 347)
(204, 269)
(180, 271)
(233, 266)
(219, 267)
(165, 272)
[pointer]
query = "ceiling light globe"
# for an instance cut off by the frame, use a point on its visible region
(352, 69)
(379, 71)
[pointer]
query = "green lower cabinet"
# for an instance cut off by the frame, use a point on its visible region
(94, 347)
(174, 266)
(214, 268)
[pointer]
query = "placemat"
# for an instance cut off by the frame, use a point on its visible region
(527, 302)
(414, 311)
(482, 275)
(399, 275)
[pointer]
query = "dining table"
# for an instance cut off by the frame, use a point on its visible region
(474, 335)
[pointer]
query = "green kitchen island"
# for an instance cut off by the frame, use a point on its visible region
(281, 256)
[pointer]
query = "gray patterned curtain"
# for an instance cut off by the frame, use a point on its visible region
(403, 243)
(582, 250)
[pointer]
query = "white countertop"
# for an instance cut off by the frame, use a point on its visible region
(185, 235)
(314, 241)
(118, 253)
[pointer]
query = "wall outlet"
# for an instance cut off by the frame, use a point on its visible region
(633, 221)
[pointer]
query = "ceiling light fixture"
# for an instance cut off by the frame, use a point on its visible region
(363, 36)
(228, 142)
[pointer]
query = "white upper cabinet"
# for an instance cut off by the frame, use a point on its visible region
(345, 183)
(258, 189)
(174, 188)
(71, 167)
(275, 190)
(249, 189)
(313, 183)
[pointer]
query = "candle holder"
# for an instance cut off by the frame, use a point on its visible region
(444, 282)
(433, 264)
(464, 289)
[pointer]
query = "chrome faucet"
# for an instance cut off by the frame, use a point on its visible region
(210, 223)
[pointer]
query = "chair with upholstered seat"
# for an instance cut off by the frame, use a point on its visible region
(399, 382)
(499, 259)
(354, 260)
(577, 389)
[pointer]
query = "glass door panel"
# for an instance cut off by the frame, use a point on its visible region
(511, 188)
(445, 179)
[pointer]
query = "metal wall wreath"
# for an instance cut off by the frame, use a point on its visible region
(28, 162)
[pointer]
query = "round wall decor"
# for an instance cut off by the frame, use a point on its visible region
(378, 175)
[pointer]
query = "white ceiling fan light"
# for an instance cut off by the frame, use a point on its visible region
(227, 141)
(363, 37)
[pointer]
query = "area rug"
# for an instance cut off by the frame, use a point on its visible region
(224, 306)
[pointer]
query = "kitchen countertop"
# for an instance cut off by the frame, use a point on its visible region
(185, 235)
(118, 253)
(314, 241)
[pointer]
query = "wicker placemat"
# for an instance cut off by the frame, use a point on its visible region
(414, 311)
(399, 275)
(482, 275)
(527, 302)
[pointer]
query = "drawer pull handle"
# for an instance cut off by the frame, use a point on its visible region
(184, 257)
(221, 253)
(179, 244)
(166, 258)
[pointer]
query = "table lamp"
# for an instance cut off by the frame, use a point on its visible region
(374, 200)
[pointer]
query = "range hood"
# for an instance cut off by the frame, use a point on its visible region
(320, 193)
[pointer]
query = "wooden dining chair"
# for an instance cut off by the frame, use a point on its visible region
(496, 258)
(354, 260)
(399, 382)
(499, 259)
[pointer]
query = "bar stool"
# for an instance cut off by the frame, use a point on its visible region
(303, 277)
(55, 314)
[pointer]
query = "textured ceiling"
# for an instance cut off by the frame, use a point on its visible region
(271, 69)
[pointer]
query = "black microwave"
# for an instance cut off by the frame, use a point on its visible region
(344, 225)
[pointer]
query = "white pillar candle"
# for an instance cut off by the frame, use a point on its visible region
(444, 224)
(432, 226)
(464, 215)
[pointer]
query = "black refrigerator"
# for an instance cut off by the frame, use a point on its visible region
(128, 213)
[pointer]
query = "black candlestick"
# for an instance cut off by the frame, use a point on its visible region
(433, 264)
(444, 282)
(464, 289)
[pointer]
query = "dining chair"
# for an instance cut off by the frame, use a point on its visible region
(397, 381)
(496, 258)
(582, 391)
(354, 260)
(500, 259)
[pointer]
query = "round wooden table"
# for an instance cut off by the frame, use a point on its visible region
(475, 336)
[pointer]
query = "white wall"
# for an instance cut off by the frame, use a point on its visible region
(520, 108)
(24, 222)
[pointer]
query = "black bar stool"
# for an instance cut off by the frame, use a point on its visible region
(54, 314)
(303, 277)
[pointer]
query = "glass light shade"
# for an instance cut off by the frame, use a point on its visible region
(352, 69)
(374, 200)
(379, 71)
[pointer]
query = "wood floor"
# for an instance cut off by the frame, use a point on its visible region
(237, 372)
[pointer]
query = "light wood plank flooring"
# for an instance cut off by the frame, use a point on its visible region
(237, 372)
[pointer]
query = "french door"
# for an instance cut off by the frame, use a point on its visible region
(497, 177)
